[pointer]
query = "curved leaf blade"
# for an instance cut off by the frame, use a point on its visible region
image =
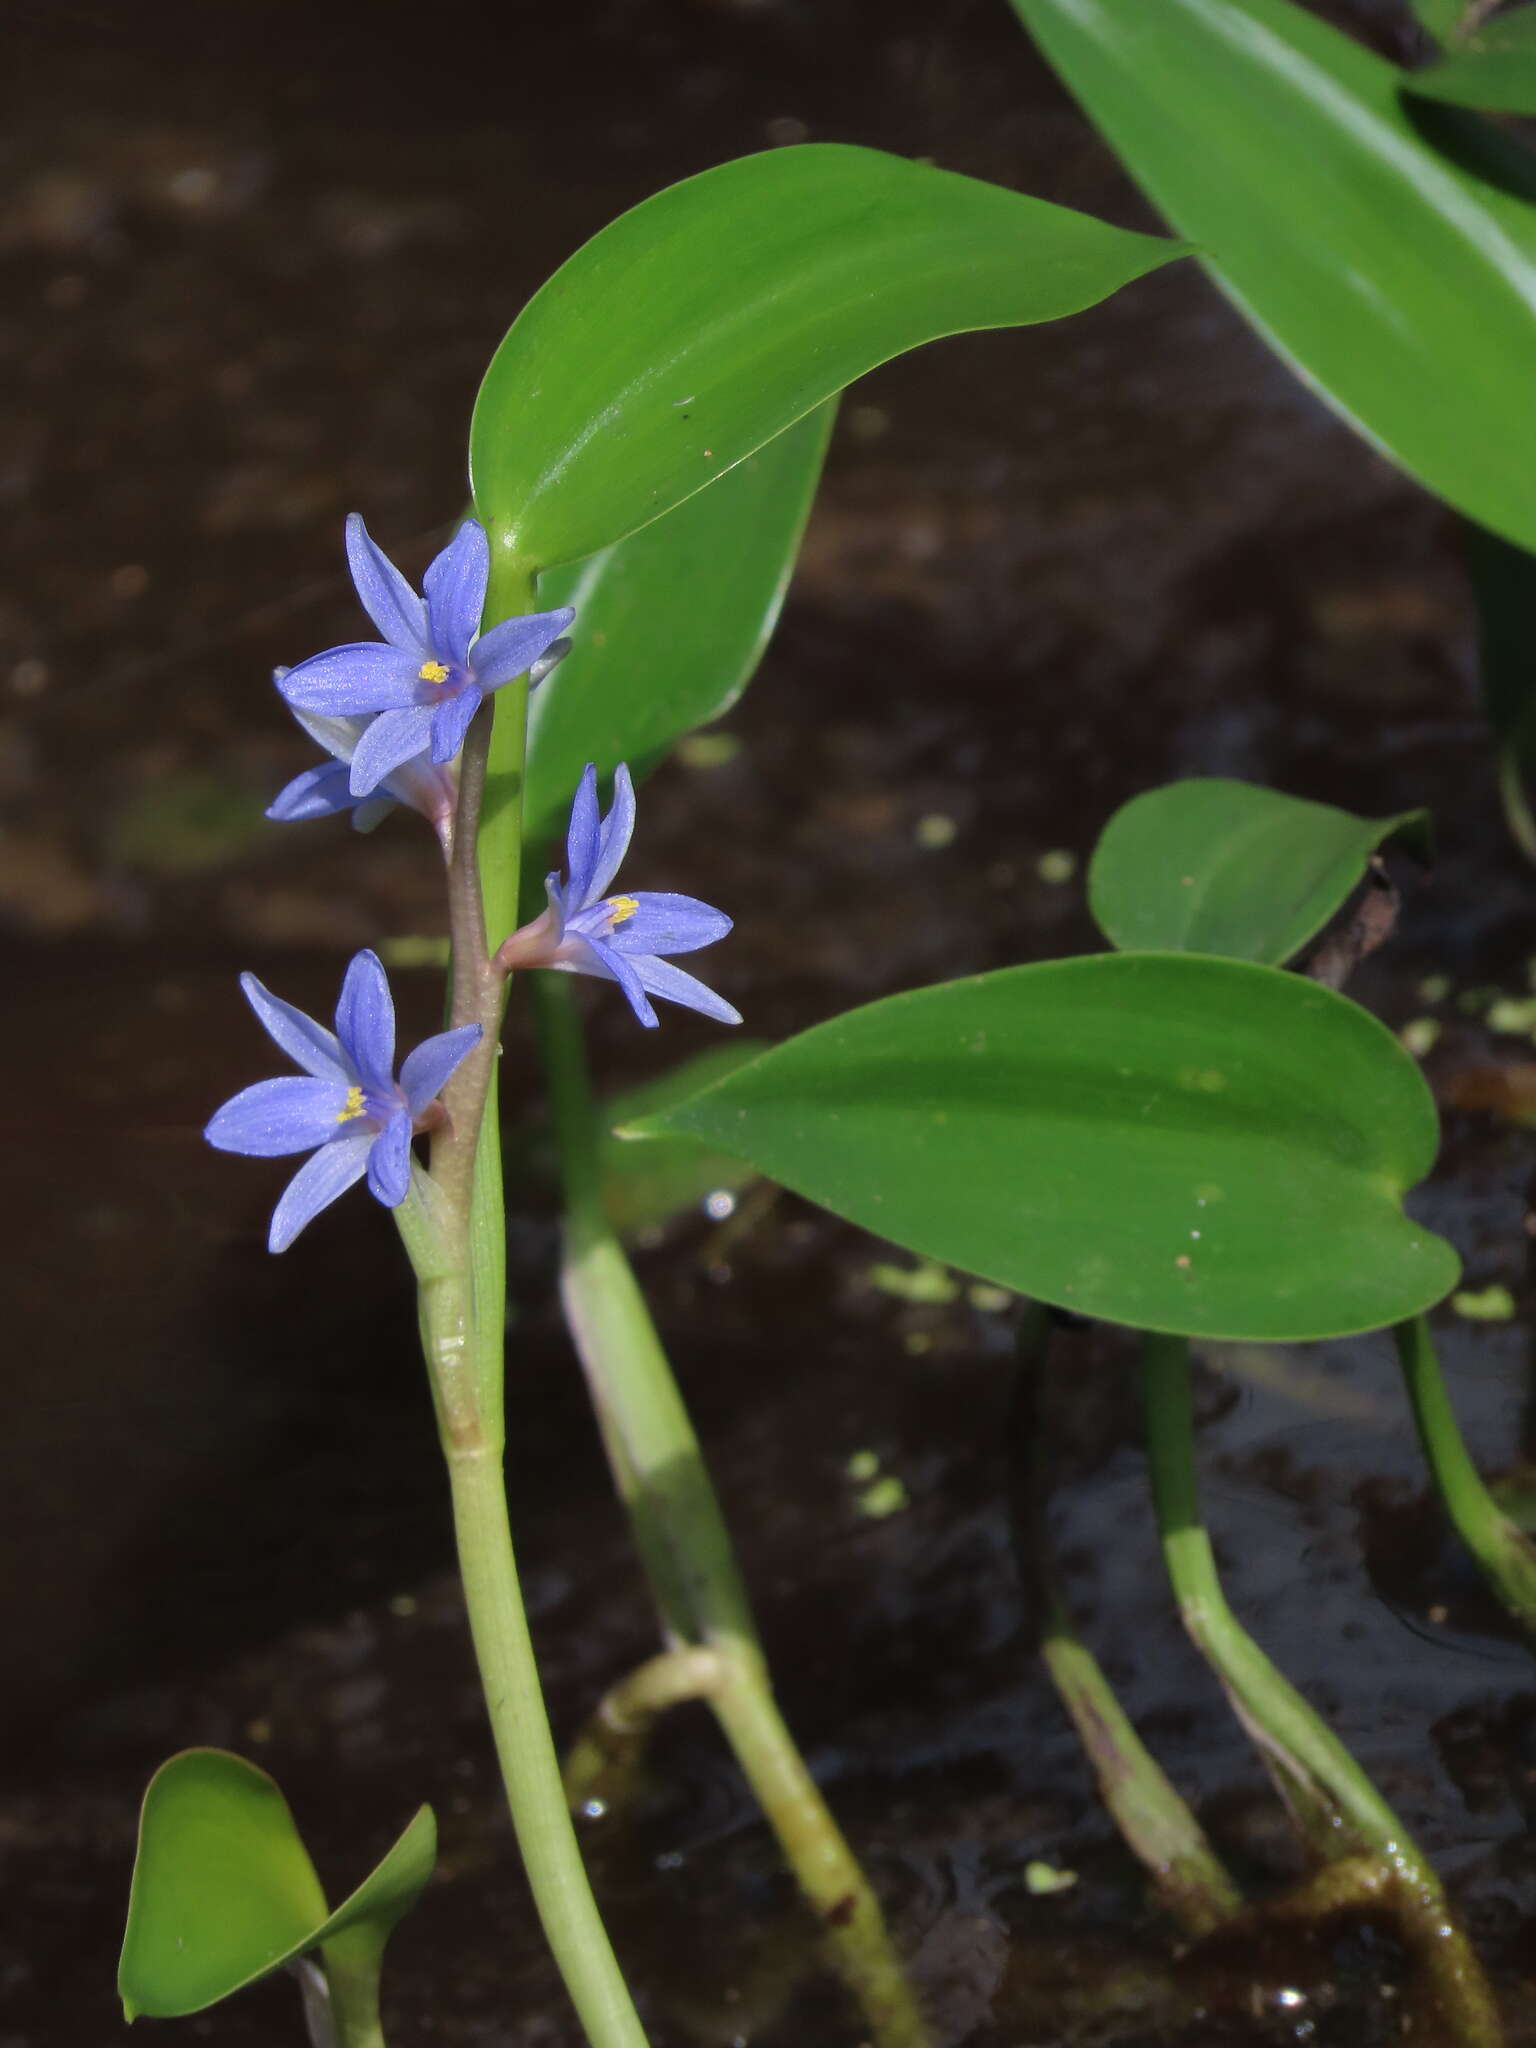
(670, 624)
(1215, 866)
(224, 1890)
(703, 322)
(1493, 68)
(1401, 285)
(1185, 1144)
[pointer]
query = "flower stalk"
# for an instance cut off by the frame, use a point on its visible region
(454, 1234)
(685, 1547)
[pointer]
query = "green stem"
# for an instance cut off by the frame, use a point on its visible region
(530, 1767)
(1517, 808)
(602, 1761)
(1311, 1765)
(451, 1224)
(352, 1968)
(1156, 1824)
(1503, 1551)
(685, 1547)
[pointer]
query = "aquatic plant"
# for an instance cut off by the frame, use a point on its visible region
(1182, 1135)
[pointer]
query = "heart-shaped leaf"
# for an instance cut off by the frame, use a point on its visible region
(706, 320)
(1184, 1144)
(670, 624)
(1494, 67)
(224, 1890)
(1381, 268)
(1211, 866)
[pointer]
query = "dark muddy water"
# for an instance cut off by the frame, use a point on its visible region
(254, 261)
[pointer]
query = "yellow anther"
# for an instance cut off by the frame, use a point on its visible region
(621, 907)
(432, 672)
(354, 1105)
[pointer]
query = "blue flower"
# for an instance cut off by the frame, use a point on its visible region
(585, 931)
(347, 1108)
(427, 677)
(322, 792)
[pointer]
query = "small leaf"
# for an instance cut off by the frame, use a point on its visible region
(1211, 866)
(702, 323)
(1493, 68)
(1369, 258)
(670, 624)
(224, 1890)
(1185, 1144)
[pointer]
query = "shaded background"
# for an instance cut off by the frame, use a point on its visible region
(254, 261)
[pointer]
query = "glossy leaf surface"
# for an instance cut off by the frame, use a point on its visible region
(1184, 1144)
(224, 1890)
(645, 1186)
(1494, 67)
(670, 624)
(1212, 866)
(1398, 283)
(697, 326)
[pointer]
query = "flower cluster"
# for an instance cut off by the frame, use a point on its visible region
(347, 1109)
(392, 714)
(621, 938)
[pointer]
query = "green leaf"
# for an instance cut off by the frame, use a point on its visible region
(1210, 866)
(647, 1185)
(1439, 18)
(1504, 582)
(1400, 284)
(1198, 1146)
(1494, 67)
(706, 320)
(670, 625)
(224, 1891)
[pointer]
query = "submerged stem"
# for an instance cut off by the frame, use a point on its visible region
(1158, 1827)
(684, 1544)
(1504, 1552)
(1337, 1804)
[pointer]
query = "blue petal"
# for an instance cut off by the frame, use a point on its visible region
(365, 1019)
(618, 828)
(455, 587)
(667, 924)
(393, 738)
(581, 840)
(292, 1114)
(514, 645)
(389, 1162)
(317, 793)
(613, 967)
(371, 811)
(308, 1044)
(663, 979)
(386, 597)
(338, 736)
(541, 670)
(352, 681)
(450, 722)
(427, 1069)
(334, 1168)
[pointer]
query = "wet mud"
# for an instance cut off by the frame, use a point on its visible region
(254, 261)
